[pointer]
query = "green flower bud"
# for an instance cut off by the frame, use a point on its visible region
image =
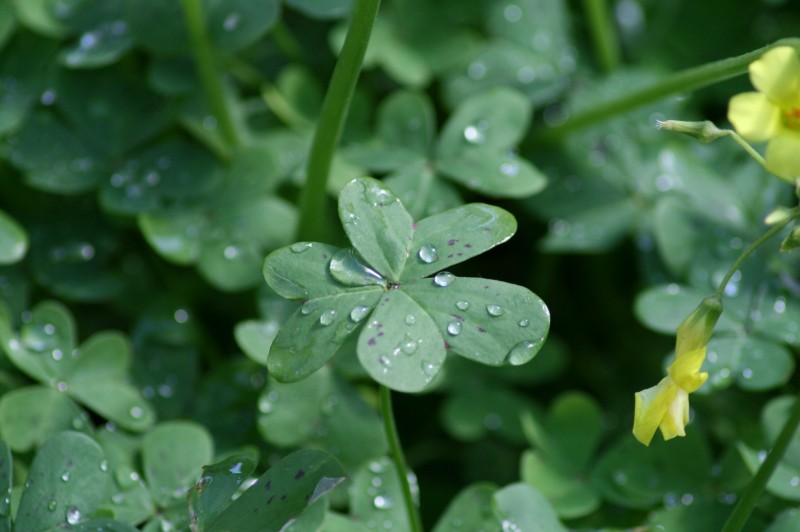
(695, 331)
(704, 131)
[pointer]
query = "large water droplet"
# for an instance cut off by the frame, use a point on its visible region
(378, 196)
(495, 310)
(408, 346)
(428, 254)
(73, 516)
(346, 267)
(359, 313)
(327, 317)
(462, 305)
(454, 328)
(443, 279)
(299, 247)
(307, 308)
(522, 352)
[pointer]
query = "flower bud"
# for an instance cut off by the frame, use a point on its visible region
(695, 331)
(704, 131)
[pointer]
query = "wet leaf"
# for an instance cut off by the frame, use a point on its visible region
(377, 495)
(30, 416)
(13, 240)
(522, 507)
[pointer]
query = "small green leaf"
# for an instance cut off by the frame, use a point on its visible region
(521, 507)
(44, 341)
(471, 507)
(401, 346)
(663, 308)
(66, 483)
(493, 173)
(13, 240)
(235, 24)
(214, 491)
(571, 497)
(497, 118)
(488, 321)
(255, 338)
(422, 192)
(281, 494)
(407, 119)
(785, 480)
(31, 415)
(456, 235)
(471, 414)
(792, 240)
(377, 224)
(173, 455)
(592, 230)
(315, 331)
(377, 495)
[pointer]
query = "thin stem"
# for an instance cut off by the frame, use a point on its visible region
(399, 460)
(794, 213)
(209, 77)
(332, 117)
(683, 81)
(744, 507)
(603, 34)
(754, 154)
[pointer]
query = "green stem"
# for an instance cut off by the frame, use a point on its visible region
(754, 154)
(603, 34)
(210, 79)
(794, 213)
(744, 507)
(399, 460)
(332, 117)
(684, 81)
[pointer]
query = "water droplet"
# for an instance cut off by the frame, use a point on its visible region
(307, 308)
(232, 21)
(231, 252)
(522, 352)
(512, 13)
(300, 247)
(58, 354)
(408, 346)
(266, 404)
(410, 319)
(378, 196)
(385, 363)
(104, 466)
(474, 134)
(526, 75)
(747, 373)
(462, 305)
(780, 305)
(376, 467)
(428, 254)
(346, 267)
(327, 317)
(454, 328)
(73, 516)
(430, 369)
(495, 310)
(762, 455)
(523, 322)
(52, 506)
(136, 412)
(443, 279)
(510, 168)
(382, 502)
(61, 386)
(48, 97)
(65, 476)
(359, 313)
(794, 481)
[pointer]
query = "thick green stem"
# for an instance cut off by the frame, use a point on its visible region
(680, 82)
(206, 69)
(603, 33)
(754, 246)
(399, 460)
(745, 506)
(331, 120)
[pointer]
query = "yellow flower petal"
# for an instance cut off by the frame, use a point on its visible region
(677, 417)
(684, 371)
(754, 116)
(652, 405)
(783, 154)
(777, 74)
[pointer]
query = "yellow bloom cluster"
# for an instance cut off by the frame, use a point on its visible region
(773, 113)
(665, 406)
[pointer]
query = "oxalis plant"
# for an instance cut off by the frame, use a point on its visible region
(192, 339)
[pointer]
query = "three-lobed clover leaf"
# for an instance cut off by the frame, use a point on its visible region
(382, 290)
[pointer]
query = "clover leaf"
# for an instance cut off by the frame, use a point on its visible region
(381, 289)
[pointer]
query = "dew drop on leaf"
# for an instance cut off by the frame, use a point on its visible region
(382, 502)
(443, 279)
(299, 247)
(523, 322)
(73, 516)
(408, 346)
(52, 506)
(522, 352)
(327, 317)
(65, 476)
(462, 305)
(428, 254)
(509, 169)
(474, 134)
(454, 328)
(359, 313)
(495, 310)
(410, 319)
(307, 308)
(136, 412)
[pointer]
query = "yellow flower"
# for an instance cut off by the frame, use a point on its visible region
(773, 113)
(665, 406)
